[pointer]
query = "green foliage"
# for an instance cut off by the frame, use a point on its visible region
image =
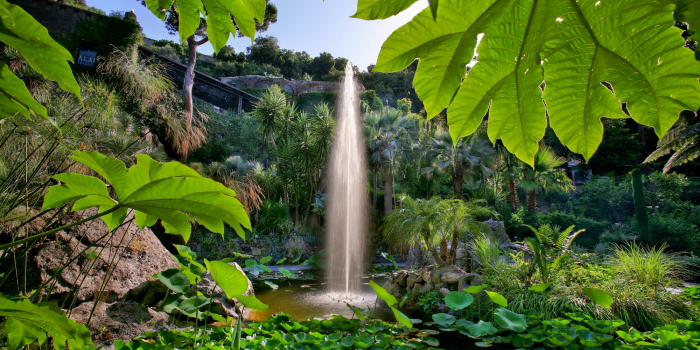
(156, 191)
(458, 300)
(428, 300)
(675, 230)
(599, 297)
(541, 45)
(587, 239)
(550, 249)
(229, 133)
(640, 205)
(218, 17)
(24, 34)
(280, 331)
(27, 323)
(648, 266)
(391, 301)
(175, 280)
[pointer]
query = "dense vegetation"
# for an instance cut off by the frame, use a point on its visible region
(596, 261)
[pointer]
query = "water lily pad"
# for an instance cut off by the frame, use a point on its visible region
(458, 300)
(510, 320)
(444, 320)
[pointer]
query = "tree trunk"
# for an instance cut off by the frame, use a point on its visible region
(532, 200)
(453, 247)
(188, 83)
(444, 254)
(433, 252)
(388, 189)
(512, 194)
(457, 179)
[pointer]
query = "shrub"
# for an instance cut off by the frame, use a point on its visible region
(675, 230)
(273, 217)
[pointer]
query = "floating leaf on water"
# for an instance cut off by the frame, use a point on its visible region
(482, 344)
(272, 285)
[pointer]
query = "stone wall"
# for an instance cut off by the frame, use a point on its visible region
(295, 87)
(57, 18)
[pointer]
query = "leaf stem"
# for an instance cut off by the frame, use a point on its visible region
(50, 232)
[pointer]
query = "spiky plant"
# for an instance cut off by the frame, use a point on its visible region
(683, 140)
(546, 175)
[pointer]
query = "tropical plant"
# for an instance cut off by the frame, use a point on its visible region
(683, 140)
(170, 192)
(268, 112)
(434, 223)
(33, 42)
(545, 174)
(568, 54)
(550, 249)
(389, 134)
(649, 266)
(473, 153)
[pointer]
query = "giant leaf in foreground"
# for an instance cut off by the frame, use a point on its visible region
(171, 192)
(23, 33)
(218, 15)
(27, 323)
(234, 283)
(540, 58)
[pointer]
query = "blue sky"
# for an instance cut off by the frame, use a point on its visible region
(313, 26)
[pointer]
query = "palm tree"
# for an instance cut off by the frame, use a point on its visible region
(432, 223)
(471, 153)
(389, 135)
(545, 175)
(509, 168)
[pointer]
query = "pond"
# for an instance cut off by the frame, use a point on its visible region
(305, 299)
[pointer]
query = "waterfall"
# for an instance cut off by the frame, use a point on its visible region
(346, 223)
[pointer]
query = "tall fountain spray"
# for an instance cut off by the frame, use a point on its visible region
(346, 223)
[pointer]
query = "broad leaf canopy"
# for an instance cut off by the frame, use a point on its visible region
(171, 192)
(565, 62)
(218, 15)
(23, 33)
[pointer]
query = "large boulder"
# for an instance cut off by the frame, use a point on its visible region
(119, 320)
(122, 263)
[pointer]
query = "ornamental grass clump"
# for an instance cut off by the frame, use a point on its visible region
(647, 266)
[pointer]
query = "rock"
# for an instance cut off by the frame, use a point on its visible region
(468, 280)
(392, 288)
(415, 258)
(428, 287)
(119, 320)
(425, 275)
(452, 277)
(435, 277)
(514, 247)
(221, 304)
(498, 228)
(400, 278)
(444, 291)
(442, 285)
(139, 255)
(255, 251)
(411, 280)
(417, 287)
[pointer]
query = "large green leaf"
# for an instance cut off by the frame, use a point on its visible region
(568, 48)
(497, 298)
(234, 283)
(381, 9)
(27, 323)
(171, 192)
(599, 297)
(458, 300)
(383, 294)
(403, 319)
(482, 329)
(22, 32)
(228, 277)
(218, 17)
(510, 320)
(174, 279)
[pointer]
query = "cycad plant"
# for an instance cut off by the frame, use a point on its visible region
(545, 175)
(550, 248)
(390, 134)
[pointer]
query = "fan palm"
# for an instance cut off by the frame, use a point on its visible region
(390, 134)
(472, 153)
(544, 176)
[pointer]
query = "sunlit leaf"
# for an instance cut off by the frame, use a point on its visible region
(380, 9)
(497, 298)
(568, 48)
(383, 294)
(510, 320)
(599, 297)
(458, 300)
